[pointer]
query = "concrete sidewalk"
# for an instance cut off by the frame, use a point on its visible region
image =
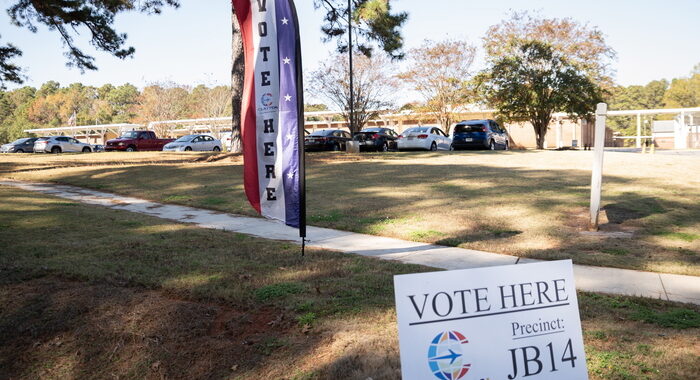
(595, 279)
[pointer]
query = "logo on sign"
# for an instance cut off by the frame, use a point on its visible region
(446, 357)
(266, 99)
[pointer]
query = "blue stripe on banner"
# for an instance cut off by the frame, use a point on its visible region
(288, 119)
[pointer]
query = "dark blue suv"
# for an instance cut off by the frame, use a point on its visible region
(483, 134)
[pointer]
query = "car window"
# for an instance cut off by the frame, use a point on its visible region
(64, 139)
(207, 138)
(74, 141)
(462, 128)
(347, 135)
(197, 139)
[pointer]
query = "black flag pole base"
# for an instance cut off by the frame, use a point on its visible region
(303, 246)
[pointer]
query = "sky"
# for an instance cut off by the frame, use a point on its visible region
(191, 45)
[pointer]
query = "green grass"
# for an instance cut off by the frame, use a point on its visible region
(315, 317)
(529, 204)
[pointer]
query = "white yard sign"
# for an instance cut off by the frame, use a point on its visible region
(509, 322)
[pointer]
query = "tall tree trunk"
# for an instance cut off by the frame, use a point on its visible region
(237, 75)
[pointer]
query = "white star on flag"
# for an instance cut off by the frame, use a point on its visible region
(290, 136)
(290, 175)
(287, 98)
(286, 60)
(284, 21)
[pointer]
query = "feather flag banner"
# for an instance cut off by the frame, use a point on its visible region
(272, 110)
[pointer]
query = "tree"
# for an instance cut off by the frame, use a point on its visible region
(533, 82)
(650, 96)
(684, 92)
(68, 17)
(164, 101)
(373, 24)
(582, 45)
(373, 85)
(440, 71)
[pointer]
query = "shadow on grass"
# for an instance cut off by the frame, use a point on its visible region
(383, 196)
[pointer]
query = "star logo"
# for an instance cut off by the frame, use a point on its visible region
(287, 98)
(286, 60)
(285, 21)
(290, 136)
(290, 175)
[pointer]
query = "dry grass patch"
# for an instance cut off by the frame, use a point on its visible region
(99, 293)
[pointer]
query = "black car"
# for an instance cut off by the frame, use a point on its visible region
(376, 139)
(483, 134)
(326, 139)
(25, 145)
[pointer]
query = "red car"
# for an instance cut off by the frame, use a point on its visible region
(136, 140)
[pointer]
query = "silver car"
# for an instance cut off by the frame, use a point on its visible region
(197, 143)
(61, 144)
(25, 145)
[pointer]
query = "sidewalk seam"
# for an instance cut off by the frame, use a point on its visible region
(664, 288)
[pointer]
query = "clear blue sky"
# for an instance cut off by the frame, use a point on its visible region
(654, 39)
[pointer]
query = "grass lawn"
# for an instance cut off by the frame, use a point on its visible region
(524, 203)
(89, 292)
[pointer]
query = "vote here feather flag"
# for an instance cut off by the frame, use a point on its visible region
(272, 110)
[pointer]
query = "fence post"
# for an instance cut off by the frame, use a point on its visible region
(597, 172)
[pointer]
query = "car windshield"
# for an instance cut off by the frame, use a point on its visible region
(19, 141)
(416, 130)
(130, 135)
(375, 130)
(322, 133)
(461, 128)
(187, 138)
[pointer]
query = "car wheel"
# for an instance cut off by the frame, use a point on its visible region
(19, 151)
(492, 145)
(217, 149)
(506, 147)
(335, 147)
(86, 150)
(188, 149)
(385, 147)
(433, 147)
(131, 148)
(56, 150)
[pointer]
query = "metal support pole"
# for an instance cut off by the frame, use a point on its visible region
(597, 172)
(352, 88)
(639, 130)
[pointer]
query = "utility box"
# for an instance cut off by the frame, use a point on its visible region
(352, 147)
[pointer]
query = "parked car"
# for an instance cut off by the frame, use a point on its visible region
(376, 139)
(197, 143)
(327, 139)
(429, 138)
(25, 145)
(484, 134)
(61, 144)
(136, 140)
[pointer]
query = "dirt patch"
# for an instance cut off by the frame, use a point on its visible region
(53, 328)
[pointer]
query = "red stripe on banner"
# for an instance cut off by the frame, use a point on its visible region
(248, 116)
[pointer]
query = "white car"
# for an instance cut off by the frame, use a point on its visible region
(61, 144)
(429, 138)
(197, 143)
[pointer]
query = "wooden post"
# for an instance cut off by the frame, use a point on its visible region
(597, 172)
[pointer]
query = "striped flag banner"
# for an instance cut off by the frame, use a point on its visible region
(272, 110)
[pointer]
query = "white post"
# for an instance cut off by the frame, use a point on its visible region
(559, 141)
(639, 130)
(597, 172)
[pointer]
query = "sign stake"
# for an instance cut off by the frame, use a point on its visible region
(597, 172)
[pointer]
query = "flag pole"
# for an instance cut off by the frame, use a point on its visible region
(300, 121)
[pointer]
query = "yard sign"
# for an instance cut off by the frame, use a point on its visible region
(272, 110)
(509, 322)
